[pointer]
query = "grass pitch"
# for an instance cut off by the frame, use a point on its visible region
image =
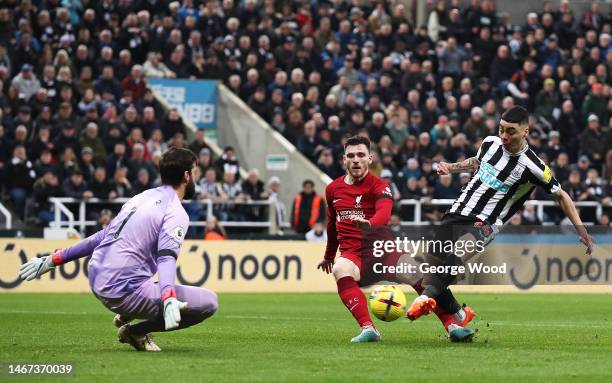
(305, 338)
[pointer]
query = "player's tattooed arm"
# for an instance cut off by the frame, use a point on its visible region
(469, 165)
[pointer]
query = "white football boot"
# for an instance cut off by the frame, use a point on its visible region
(140, 343)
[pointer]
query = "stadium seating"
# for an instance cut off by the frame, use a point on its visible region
(77, 120)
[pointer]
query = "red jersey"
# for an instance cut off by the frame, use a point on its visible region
(369, 198)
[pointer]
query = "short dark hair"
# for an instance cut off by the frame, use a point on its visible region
(357, 140)
(516, 115)
(174, 163)
(308, 182)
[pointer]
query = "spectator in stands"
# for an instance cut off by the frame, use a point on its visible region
(309, 143)
(173, 124)
(45, 187)
(209, 188)
(20, 177)
(412, 189)
(317, 233)
(106, 216)
(86, 164)
(561, 167)
(233, 190)
(213, 230)
(281, 211)
(328, 165)
(594, 186)
(156, 142)
(529, 216)
(450, 58)
(155, 68)
(574, 187)
(66, 117)
(75, 186)
(45, 162)
(258, 102)
(595, 104)
(107, 83)
(547, 101)
(122, 187)
(26, 84)
(308, 208)
(387, 176)
(592, 141)
(138, 162)
(89, 138)
(475, 127)
(142, 183)
(117, 159)
(135, 83)
(100, 186)
(445, 189)
(253, 188)
(228, 163)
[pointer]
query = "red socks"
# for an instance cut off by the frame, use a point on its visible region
(354, 300)
(444, 317)
(357, 303)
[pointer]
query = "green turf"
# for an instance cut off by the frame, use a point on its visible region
(304, 338)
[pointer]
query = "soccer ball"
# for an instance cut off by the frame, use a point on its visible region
(388, 303)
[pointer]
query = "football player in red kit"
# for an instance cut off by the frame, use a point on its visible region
(357, 203)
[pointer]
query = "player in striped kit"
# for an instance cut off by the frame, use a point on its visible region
(507, 171)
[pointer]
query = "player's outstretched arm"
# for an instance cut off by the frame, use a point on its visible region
(567, 205)
(469, 165)
(36, 267)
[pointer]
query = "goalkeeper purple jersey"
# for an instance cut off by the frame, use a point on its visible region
(148, 232)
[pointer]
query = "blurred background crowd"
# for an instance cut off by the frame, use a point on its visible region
(77, 118)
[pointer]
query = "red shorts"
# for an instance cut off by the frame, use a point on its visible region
(366, 267)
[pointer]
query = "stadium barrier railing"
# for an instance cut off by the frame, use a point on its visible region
(8, 217)
(65, 218)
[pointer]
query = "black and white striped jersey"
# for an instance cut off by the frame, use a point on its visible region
(502, 183)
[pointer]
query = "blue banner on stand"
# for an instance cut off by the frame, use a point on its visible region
(196, 100)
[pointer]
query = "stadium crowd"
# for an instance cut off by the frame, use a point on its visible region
(77, 120)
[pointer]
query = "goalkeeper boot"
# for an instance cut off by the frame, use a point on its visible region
(120, 320)
(457, 333)
(368, 334)
(422, 305)
(139, 342)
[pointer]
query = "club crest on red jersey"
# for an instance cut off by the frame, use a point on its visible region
(358, 202)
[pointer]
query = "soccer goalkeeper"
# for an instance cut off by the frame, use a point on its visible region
(143, 240)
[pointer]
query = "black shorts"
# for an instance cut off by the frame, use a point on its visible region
(454, 226)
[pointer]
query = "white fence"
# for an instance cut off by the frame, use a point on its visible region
(65, 218)
(8, 217)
